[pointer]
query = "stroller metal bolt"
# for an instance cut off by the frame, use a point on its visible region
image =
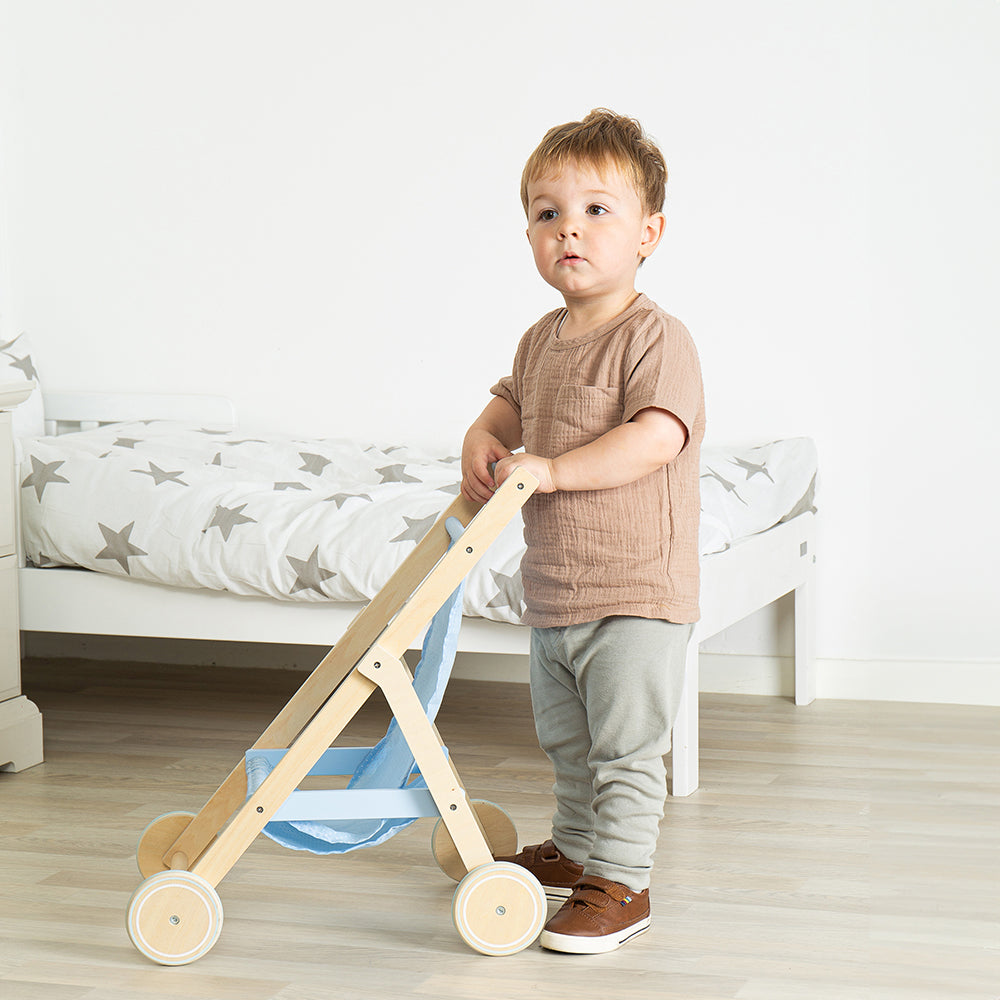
(501, 910)
(260, 809)
(175, 920)
(468, 549)
(453, 807)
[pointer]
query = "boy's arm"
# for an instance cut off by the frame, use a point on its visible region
(492, 437)
(650, 440)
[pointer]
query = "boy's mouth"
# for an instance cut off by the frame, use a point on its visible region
(569, 257)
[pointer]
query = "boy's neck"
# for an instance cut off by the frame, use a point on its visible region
(584, 317)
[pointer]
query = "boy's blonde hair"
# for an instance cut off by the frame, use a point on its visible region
(602, 139)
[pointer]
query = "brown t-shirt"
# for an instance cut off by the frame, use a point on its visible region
(631, 550)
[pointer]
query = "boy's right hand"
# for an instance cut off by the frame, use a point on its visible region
(480, 451)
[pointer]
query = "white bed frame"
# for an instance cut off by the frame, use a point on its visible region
(749, 575)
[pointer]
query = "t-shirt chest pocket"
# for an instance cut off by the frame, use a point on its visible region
(582, 413)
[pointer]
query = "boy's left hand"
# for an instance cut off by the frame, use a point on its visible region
(540, 468)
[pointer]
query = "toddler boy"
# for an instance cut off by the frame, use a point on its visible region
(606, 398)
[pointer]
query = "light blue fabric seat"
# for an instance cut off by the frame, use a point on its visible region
(387, 767)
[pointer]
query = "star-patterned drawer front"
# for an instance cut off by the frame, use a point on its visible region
(6, 486)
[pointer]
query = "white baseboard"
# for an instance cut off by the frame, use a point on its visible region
(853, 680)
(945, 683)
(948, 683)
(487, 667)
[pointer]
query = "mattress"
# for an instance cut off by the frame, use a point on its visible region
(314, 520)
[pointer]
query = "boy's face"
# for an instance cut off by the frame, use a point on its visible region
(588, 232)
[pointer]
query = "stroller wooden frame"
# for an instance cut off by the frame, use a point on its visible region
(175, 915)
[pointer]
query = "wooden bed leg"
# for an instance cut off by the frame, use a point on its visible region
(684, 755)
(805, 632)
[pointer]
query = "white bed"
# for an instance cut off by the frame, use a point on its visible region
(304, 603)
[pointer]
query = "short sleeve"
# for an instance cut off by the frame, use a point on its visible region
(510, 386)
(665, 373)
(505, 390)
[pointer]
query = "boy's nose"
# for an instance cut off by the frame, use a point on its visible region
(569, 227)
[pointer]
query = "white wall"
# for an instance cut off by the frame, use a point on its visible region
(312, 207)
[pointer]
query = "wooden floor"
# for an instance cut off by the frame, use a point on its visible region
(844, 851)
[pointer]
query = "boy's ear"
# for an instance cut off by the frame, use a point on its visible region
(652, 233)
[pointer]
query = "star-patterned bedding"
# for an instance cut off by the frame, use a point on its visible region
(313, 520)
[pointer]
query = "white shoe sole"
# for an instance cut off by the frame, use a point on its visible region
(575, 944)
(558, 891)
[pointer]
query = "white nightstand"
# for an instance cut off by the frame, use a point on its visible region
(20, 720)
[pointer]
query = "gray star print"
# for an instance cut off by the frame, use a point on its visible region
(395, 474)
(341, 498)
(25, 365)
(416, 528)
(452, 488)
(279, 487)
(43, 473)
(314, 464)
(118, 546)
(309, 574)
(726, 485)
(127, 442)
(159, 476)
(225, 520)
(751, 469)
(511, 593)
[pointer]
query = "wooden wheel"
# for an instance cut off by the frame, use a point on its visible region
(174, 917)
(499, 908)
(501, 836)
(157, 838)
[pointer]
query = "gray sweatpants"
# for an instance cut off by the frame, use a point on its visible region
(605, 695)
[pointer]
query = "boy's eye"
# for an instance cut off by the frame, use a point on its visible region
(547, 214)
(596, 210)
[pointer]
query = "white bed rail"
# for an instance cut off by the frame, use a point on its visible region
(74, 411)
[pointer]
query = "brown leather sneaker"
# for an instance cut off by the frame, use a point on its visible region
(550, 866)
(599, 916)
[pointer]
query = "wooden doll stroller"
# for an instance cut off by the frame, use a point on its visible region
(175, 915)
